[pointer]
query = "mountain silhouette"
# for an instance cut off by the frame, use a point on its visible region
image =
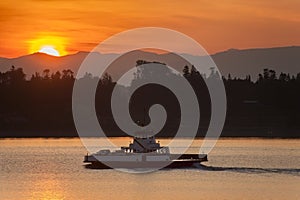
(238, 63)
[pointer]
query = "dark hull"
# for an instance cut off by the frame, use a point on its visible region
(184, 161)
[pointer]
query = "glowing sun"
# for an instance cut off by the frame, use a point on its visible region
(49, 50)
(50, 45)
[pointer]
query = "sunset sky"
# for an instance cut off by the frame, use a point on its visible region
(70, 26)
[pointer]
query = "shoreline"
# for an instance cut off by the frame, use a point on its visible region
(245, 132)
(222, 137)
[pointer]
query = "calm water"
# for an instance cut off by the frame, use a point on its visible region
(237, 169)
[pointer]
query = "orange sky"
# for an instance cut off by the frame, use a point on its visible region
(79, 25)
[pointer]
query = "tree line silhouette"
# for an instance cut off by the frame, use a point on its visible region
(42, 105)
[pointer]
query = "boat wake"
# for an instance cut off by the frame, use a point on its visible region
(250, 170)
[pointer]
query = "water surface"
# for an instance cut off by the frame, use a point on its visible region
(237, 169)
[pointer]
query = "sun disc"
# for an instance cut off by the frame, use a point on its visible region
(49, 50)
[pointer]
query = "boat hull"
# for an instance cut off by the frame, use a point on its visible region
(181, 161)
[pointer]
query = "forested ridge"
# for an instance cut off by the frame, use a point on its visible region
(41, 105)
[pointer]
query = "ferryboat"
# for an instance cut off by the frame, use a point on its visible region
(143, 152)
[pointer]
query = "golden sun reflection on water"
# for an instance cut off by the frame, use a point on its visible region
(47, 189)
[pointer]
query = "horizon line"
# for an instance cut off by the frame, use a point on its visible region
(153, 52)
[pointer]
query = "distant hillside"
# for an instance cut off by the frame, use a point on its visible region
(238, 63)
(251, 61)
